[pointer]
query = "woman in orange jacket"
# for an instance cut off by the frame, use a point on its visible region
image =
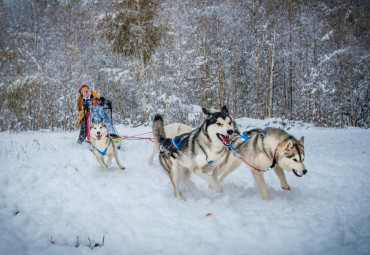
(85, 94)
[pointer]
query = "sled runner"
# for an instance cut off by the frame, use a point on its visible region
(99, 112)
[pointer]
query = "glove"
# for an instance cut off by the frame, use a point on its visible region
(86, 105)
(108, 103)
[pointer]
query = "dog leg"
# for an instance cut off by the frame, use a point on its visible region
(280, 173)
(260, 181)
(109, 162)
(100, 159)
(155, 152)
(117, 160)
(222, 173)
(102, 163)
(210, 179)
(174, 176)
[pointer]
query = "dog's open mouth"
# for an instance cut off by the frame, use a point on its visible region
(98, 136)
(296, 173)
(225, 139)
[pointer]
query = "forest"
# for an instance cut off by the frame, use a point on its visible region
(299, 60)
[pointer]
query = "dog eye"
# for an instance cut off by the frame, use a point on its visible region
(219, 124)
(230, 123)
(295, 160)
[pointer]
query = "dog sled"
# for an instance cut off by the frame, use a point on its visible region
(99, 112)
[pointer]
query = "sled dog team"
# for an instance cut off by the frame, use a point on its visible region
(213, 150)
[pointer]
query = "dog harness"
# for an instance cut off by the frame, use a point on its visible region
(177, 145)
(102, 152)
(246, 138)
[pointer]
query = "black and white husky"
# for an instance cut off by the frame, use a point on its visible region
(199, 152)
(103, 145)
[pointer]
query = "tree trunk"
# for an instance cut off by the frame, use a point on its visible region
(258, 66)
(220, 73)
(353, 122)
(144, 87)
(166, 107)
(50, 102)
(351, 94)
(205, 63)
(341, 92)
(271, 78)
(235, 83)
(118, 90)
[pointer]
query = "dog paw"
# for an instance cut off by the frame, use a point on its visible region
(179, 196)
(123, 168)
(286, 187)
(219, 188)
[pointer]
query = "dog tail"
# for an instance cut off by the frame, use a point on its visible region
(158, 128)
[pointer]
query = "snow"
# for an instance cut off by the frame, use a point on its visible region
(327, 36)
(55, 199)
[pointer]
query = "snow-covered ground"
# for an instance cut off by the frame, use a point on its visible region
(55, 199)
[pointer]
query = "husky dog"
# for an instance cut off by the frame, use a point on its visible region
(171, 130)
(198, 152)
(103, 145)
(261, 149)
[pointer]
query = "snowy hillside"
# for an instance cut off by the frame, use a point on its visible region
(55, 199)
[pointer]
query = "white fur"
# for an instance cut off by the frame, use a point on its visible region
(101, 141)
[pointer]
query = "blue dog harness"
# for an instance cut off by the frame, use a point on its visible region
(102, 152)
(245, 137)
(177, 145)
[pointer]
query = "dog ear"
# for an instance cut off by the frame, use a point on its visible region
(225, 110)
(289, 144)
(261, 135)
(301, 141)
(206, 112)
(101, 121)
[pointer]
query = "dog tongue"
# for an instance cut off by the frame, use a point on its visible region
(225, 139)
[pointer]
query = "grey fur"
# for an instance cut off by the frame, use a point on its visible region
(259, 152)
(201, 151)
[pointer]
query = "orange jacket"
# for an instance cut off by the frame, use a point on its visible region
(81, 107)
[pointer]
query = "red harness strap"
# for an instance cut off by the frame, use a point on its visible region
(88, 126)
(137, 137)
(274, 162)
(255, 168)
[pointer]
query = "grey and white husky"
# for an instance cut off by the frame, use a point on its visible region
(199, 152)
(261, 149)
(103, 145)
